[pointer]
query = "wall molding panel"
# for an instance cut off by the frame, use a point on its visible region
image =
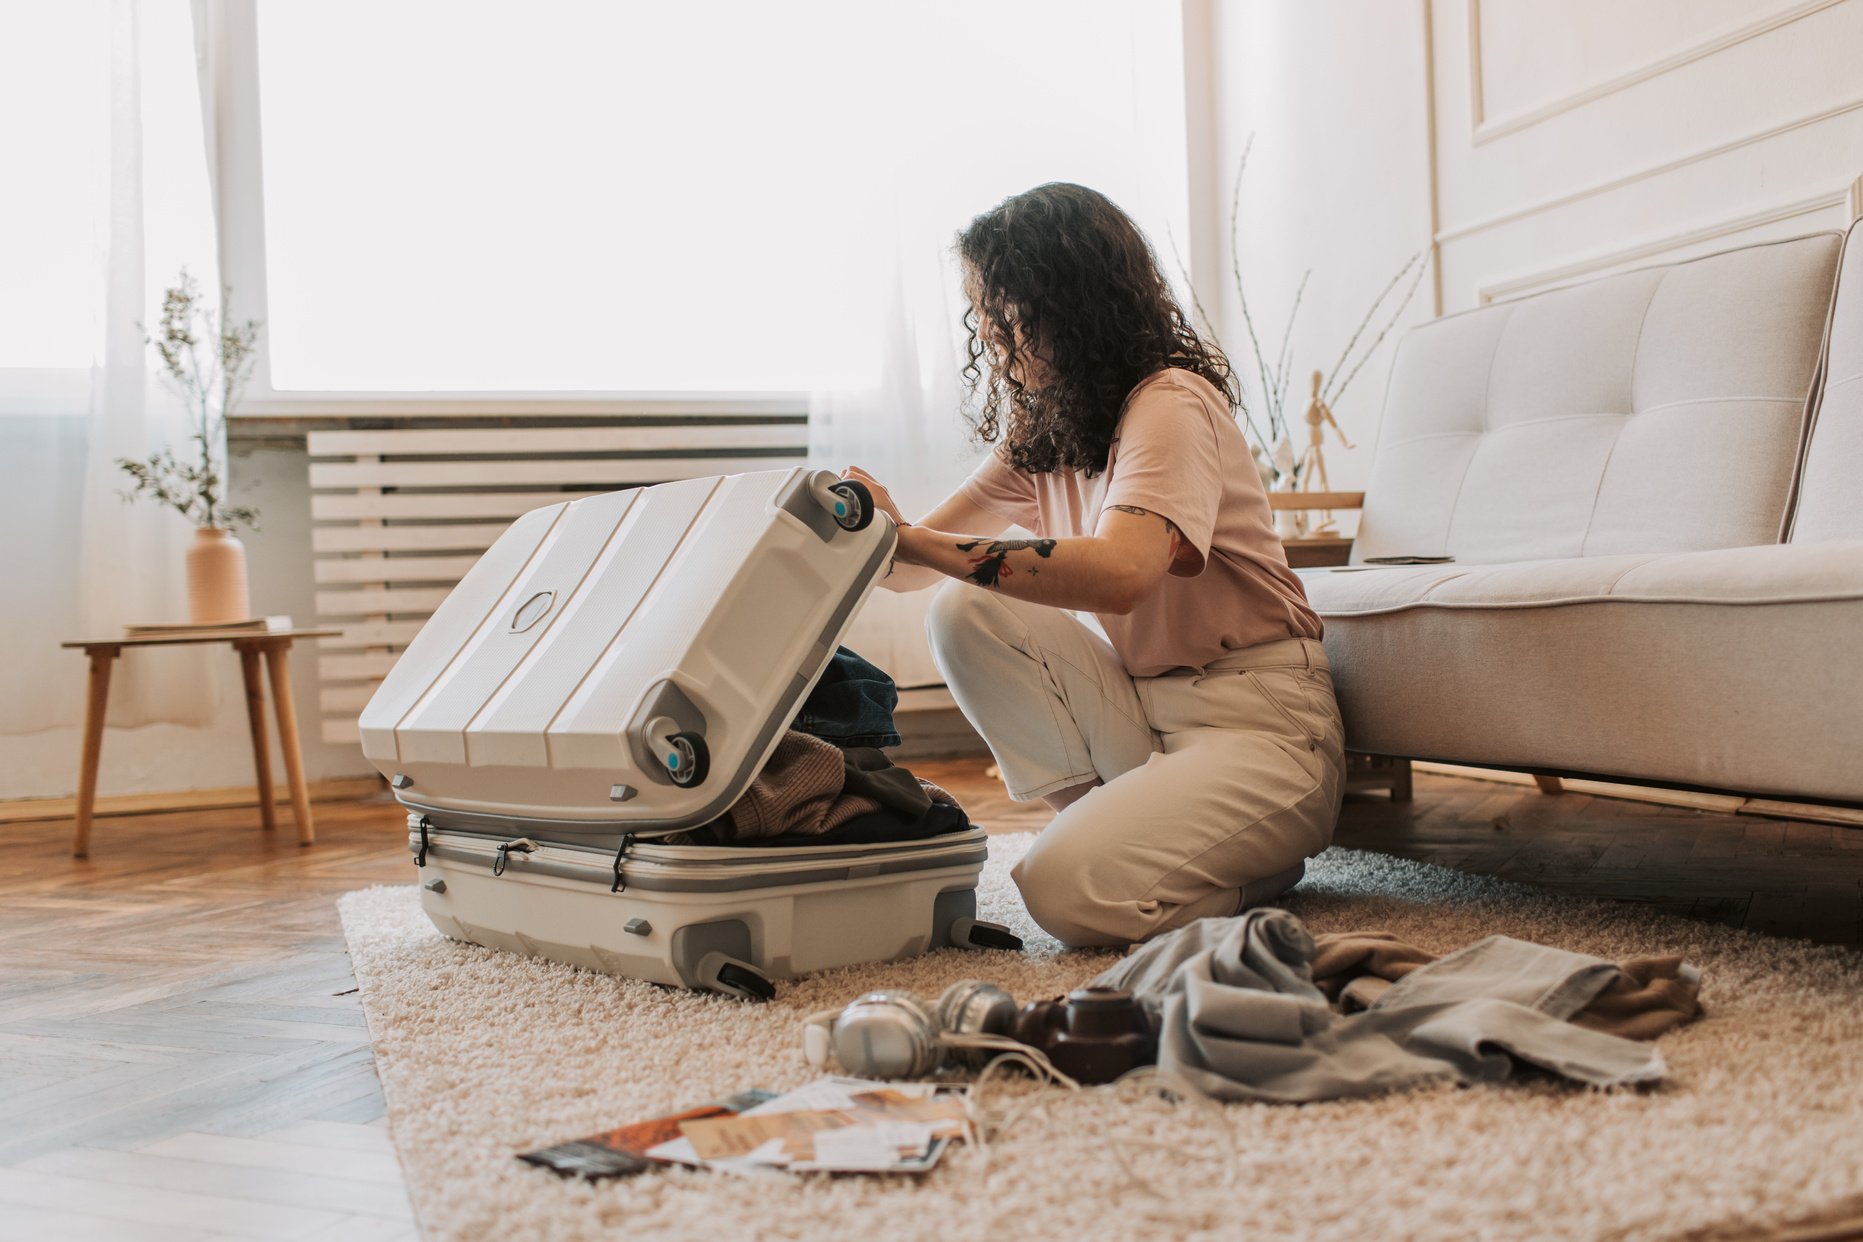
(1485, 129)
(1844, 197)
(1699, 155)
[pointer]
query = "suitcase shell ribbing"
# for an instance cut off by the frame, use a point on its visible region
(712, 603)
(526, 729)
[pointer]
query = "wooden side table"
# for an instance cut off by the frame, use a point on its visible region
(1316, 551)
(271, 646)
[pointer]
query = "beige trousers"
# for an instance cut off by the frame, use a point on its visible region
(1218, 783)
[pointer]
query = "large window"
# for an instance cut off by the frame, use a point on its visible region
(662, 197)
(54, 69)
(103, 186)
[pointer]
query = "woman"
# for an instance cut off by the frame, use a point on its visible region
(1191, 745)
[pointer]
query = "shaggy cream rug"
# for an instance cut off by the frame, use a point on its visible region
(483, 1055)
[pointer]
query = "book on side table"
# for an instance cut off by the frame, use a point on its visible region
(252, 625)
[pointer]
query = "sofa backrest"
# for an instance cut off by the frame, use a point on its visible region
(1830, 499)
(1653, 411)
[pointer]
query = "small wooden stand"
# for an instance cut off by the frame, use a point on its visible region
(1316, 551)
(271, 646)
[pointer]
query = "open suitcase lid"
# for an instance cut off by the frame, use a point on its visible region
(628, 660)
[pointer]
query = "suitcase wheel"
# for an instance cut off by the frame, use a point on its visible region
(971, 934)
(687, 759)
(731, 977)
(853, 507)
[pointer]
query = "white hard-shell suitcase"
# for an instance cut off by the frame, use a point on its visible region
(617, 669)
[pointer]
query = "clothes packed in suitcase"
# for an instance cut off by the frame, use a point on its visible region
(575, 731)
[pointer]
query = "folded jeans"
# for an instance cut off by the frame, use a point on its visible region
(851, 705)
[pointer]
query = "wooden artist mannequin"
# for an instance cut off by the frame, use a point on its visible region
(1313, 460)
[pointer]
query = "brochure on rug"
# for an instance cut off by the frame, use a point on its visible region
(622, 1152)
(837, 1125)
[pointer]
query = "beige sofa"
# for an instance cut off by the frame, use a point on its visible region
(1650, 484)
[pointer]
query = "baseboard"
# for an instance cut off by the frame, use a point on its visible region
(931, 727)
(925, 699)
(1699, 800)
(185, 800)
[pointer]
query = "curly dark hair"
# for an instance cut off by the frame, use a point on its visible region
(1064, 290)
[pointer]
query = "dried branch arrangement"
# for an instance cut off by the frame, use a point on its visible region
(207, 364)
(1272, 378)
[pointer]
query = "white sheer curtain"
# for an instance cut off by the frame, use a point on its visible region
(981, 100)
(108, 200)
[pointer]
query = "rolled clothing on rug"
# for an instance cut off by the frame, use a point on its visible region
(813, 789)
(1241, 1018)
(1648, 997)
(1651, 997)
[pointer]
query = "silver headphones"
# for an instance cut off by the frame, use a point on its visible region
(895, 1034)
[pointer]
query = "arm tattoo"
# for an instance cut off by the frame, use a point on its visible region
(1146, 512)
(992, 565)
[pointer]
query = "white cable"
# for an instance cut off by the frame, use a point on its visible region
(988, 1128)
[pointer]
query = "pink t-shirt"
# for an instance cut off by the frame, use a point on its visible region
(1177, 452)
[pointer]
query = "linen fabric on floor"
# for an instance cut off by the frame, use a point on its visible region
(1243, 1020)
(1648, 996)
(483, 1055)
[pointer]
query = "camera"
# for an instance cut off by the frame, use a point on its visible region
(1093, 1034)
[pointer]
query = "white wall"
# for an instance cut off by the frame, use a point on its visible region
(1576, 137)
(1543, 141)
(43, 507)
(1338, 181)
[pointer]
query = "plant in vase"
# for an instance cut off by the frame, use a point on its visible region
(206, 362)
(1284, 466)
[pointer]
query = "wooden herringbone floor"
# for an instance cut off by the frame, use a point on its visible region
(185, 1057)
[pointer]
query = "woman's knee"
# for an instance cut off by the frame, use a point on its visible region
(959, 617)
(1060, 896)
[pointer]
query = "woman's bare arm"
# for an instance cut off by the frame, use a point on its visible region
(955, 512)
(1109, 571)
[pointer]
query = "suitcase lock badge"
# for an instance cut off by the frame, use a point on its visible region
(532, 610)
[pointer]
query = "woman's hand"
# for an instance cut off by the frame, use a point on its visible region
(882, 499)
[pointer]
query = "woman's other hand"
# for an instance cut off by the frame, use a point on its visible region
(882, 499)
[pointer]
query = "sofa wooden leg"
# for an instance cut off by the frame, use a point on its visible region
(1549, 785)
(1367, 772)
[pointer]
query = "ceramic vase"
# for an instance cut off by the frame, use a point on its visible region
(217, 578)
(1263, 466)
(1288, 523)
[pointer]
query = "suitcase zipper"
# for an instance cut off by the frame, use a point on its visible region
(628, 861)
(627, 843)
(650, 850)
(523, 845)
(641, 866)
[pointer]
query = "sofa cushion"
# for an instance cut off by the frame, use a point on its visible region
(1733, 668)
(1830, 504)
(1652, 411)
